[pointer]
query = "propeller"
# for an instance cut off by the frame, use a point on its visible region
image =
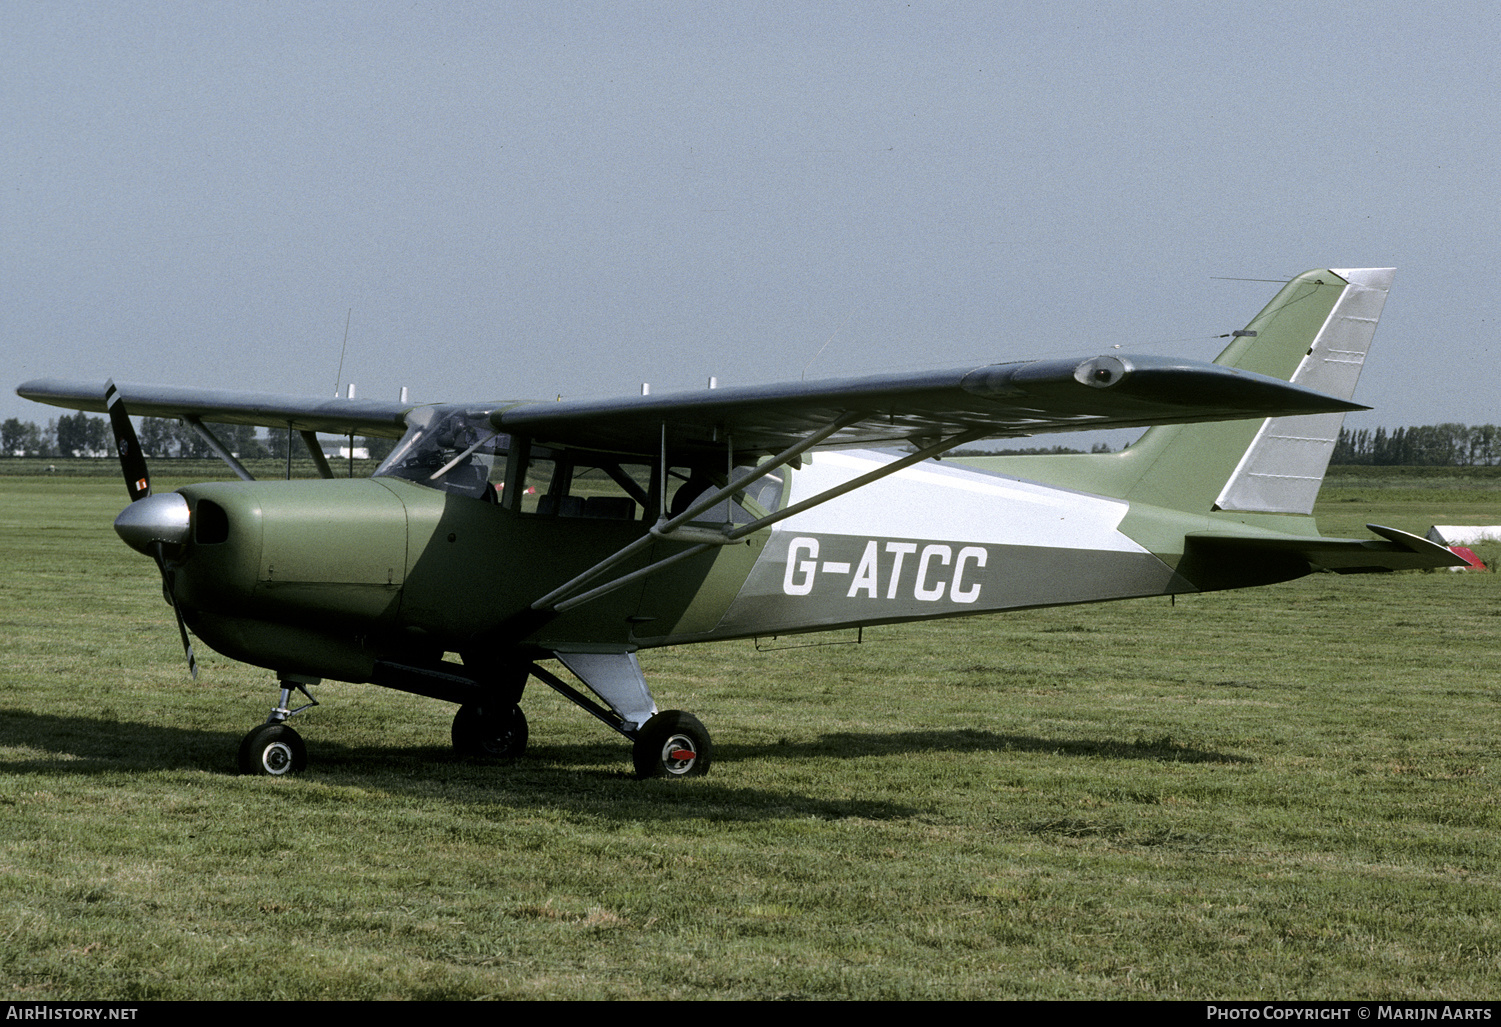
(132, 460)
(150, 524)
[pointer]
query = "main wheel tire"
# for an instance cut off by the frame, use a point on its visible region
(274, 750)
(489, 732)
(672, 744)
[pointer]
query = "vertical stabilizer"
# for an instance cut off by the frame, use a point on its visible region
(1284, 466)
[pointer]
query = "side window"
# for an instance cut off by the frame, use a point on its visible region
(595, 486)
(763, 496)
(566, 484)
(687, 486)
(535, 485)
(610, 491)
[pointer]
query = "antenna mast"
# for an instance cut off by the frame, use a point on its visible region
(339, 378)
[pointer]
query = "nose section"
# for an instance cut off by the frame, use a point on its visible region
(162, 518)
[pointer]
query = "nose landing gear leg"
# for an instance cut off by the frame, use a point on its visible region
(273, 749)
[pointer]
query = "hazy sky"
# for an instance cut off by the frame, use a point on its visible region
(527, 199)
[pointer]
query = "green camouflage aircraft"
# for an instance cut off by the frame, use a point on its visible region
(512, 533)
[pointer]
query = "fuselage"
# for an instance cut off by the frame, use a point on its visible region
(327, 577)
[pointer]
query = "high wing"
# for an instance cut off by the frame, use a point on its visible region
(226, 406)
(992, 401)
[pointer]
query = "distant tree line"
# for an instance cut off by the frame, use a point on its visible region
(1098, 447)
(1427, 445)
(70, 435)
(79, 435)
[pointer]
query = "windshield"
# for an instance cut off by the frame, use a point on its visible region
(448, 448)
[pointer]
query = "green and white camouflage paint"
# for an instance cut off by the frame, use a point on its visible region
(512, 532)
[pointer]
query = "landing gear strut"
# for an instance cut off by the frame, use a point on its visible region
(667, 744)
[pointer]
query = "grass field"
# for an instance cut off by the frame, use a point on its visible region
(1280, 793)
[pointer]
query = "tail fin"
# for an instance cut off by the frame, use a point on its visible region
(1314, 333)
(1283, 467)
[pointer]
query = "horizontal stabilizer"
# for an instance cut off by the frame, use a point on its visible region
(1401, 551)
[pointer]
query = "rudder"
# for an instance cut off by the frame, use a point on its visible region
(1283, 467)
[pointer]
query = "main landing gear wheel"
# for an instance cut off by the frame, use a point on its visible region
(489, 732)
(273, 750)
(672, 744)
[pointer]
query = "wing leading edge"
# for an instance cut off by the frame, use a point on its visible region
(995, 400)
(226, 406)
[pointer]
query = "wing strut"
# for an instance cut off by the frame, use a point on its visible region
(310, 439)
(220, 450)
(567, 596)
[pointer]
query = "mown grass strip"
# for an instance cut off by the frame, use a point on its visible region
(1279, 793)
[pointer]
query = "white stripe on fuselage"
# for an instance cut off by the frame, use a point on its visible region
(944, 501)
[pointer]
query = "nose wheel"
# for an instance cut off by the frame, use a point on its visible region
(273, 750)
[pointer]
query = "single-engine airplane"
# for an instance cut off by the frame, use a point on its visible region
(511, 533)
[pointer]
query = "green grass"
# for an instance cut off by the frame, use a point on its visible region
(1279, 793)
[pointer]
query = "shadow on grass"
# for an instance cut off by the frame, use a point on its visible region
(92, 744)
(594, 778)
(850, 745)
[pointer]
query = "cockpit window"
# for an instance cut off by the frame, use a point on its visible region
(455, 450)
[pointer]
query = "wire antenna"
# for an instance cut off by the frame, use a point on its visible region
(339, 379)
(826, 343)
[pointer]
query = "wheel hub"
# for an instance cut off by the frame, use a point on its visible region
(678, 755)
(277, 758)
